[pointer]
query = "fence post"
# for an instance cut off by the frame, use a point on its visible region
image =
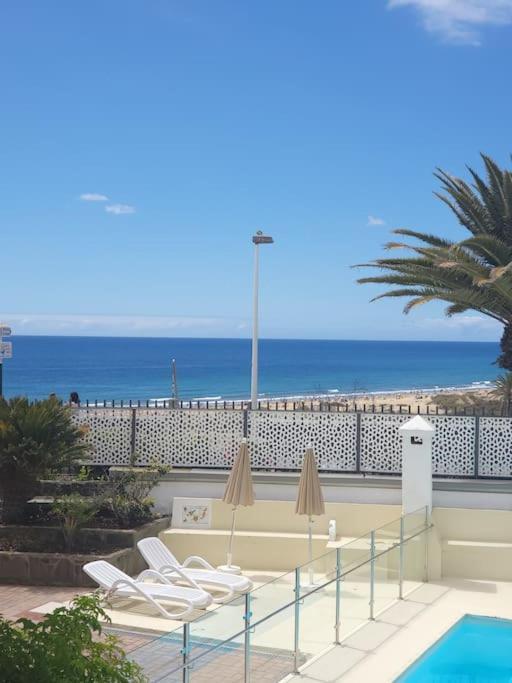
(133, 434)
(401, 569)
(247, 638)
(296, 646)
(185, 652)
(338, 597)
(477, 447)
(358, 442)
(372, 573)
(246, 418)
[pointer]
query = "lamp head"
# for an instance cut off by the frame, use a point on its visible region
(260, 238)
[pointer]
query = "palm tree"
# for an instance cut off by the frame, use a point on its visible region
(503, 392)
(35, 440)
(473, 274)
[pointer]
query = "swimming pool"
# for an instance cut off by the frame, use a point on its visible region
(475, 649)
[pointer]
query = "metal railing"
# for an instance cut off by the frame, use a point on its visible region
(313, 405)
(281, 625)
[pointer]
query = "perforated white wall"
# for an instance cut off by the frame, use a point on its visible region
(495, 447)
(109, 434)
(278, 439)
(452, 445)
(210, 438)
(192, 438)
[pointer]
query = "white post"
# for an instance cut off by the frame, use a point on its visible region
(258, 238)
(254, 364)
(416, 464)
(310, 548)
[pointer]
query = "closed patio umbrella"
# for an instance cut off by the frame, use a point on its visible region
(239, 491)
(310, 500)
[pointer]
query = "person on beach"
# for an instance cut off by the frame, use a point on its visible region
(74, 399)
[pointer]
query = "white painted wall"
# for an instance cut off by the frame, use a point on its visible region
(376, 490)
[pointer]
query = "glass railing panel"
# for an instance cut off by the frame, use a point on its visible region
(355, 553)
(317, 572)
(414, 562)
(318, 604)
(160, 657)
(414, 522)
(219, 623)
(272, 649)
(272, 595)
(221, 662)
(387, 578)
(355, 590)
(387, 535)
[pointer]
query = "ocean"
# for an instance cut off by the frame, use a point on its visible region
(106, 368)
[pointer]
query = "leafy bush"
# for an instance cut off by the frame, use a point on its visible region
(128, 503)
(469, 401)
(64, 648)
(35, 439)
(74, 511)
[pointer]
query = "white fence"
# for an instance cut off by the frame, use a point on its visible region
(463, 446)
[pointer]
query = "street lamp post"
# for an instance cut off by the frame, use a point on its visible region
(258, 238)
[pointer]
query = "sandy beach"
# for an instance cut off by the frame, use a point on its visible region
(391, 401)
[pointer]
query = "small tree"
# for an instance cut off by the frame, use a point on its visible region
(73, 512)
(64, 647)
(35, 439)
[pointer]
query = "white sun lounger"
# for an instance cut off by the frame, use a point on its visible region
(160, 558)
(116, 582)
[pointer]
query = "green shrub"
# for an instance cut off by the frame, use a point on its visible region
(128, 503)
(74, 511)
(35, 439)
(64, 648)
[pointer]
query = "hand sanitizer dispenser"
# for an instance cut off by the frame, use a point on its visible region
(332, 530)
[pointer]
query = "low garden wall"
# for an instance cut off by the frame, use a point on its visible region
(34, 568)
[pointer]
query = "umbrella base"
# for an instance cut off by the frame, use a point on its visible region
(229, 569)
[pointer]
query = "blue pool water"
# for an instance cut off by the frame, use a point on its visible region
(475, 650)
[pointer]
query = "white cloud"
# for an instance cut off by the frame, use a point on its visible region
(93, 197)
(121, 325)
(462, 322)
(374, 220)
(120, 209)
(459, 21)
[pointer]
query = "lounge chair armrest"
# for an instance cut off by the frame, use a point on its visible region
(122, 582)
(184, 577)
(167, 569)
(199, 560)
(154, 575)
(164, 573)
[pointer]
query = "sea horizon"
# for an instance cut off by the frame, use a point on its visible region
(138, 368)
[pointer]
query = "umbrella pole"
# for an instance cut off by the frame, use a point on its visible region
(310, 543)
(230, 546)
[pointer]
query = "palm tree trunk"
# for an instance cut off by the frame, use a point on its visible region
(505, 358)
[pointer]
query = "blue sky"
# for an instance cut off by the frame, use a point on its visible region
(186, 125)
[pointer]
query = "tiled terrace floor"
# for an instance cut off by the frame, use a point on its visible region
(21, 601)
(160, 655)
(33, 602)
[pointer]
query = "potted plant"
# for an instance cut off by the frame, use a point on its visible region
(35, 439)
